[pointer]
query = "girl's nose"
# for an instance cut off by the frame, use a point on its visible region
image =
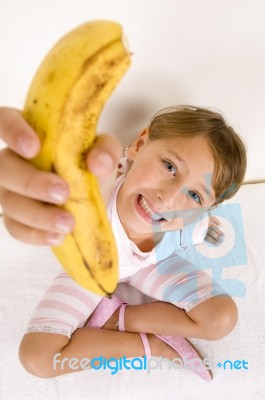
(171, 198)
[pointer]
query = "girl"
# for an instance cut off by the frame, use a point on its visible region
(185, 162)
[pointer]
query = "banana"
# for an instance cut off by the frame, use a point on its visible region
(63, 105)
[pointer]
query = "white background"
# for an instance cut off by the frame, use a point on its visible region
(203, 52)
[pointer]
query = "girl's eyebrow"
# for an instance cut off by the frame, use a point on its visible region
(205, 190)
(173, 153)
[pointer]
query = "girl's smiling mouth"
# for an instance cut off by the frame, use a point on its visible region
(146, 212)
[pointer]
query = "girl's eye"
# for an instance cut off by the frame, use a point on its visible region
(170, 167)
(173, 169)
(195, 196)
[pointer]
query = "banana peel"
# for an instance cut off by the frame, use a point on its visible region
(63, 106)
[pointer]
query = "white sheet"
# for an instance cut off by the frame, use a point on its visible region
(25, 272)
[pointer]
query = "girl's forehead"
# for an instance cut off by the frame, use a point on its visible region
(195, 142)
(193, 154)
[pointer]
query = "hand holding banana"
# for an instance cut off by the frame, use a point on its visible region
(63, 106)
(30, 199)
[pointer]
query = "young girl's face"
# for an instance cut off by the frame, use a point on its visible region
(167, 187)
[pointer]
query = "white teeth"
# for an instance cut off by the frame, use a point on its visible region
(148, 210)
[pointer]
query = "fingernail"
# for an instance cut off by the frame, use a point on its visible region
(55, 238)
(27, 146)
(64, 223)
(104, 161)
(58, 192)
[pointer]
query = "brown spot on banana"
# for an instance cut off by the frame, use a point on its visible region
(92, 275)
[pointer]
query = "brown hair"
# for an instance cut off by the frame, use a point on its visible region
(229, 151)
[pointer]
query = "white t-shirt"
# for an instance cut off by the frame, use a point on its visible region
(131, 258)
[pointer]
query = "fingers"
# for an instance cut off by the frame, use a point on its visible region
(215, 231)
(24, 194)
(104, 157)
(17, 134)
(17, 175)
(28, 195)
(102, 161)
(30, 235)
(35, 222)
(214, 235)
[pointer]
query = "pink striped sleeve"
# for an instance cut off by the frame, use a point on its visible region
(64, 307)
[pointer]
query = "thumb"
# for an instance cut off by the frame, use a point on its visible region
(103, 158)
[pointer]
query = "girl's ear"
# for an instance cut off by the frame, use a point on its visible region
(137, 145)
